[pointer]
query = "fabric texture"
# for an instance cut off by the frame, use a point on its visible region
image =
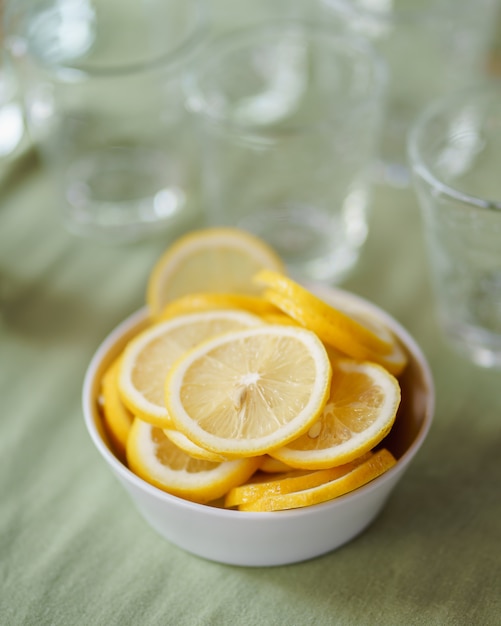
(74, 551)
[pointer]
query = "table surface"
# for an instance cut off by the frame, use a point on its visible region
(73, 550)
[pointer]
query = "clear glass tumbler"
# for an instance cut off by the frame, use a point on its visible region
(11, 113)
(289, 116)
(432, 47)
(102, 85)
(455, 154)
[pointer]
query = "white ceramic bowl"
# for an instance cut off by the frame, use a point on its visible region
(261, 539)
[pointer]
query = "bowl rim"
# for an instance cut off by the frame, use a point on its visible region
(111, 340)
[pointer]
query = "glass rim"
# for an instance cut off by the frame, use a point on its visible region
(171, 57)
(242, 37)
(420, 166)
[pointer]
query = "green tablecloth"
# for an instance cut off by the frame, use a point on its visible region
(74, 551)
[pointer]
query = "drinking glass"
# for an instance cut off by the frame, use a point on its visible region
(455, 154)
(432, 47)
(11, 114)
(102, 85)
(289, 114)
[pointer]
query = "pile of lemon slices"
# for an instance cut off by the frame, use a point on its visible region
(246, 390)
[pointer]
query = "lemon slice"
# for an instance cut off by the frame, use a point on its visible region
(352, 335)
(279, 318)
(213, 259)
(274, 466)
(249, 391)
(372, 467)
(335, 337)
(117, 418)
(148, 357)
(394, 361)
(262, 486)
(155, 459)
(359, 413)
(185, 444)
(210, 301)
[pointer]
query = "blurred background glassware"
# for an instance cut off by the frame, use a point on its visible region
(231, 15)
(289, 114)
(11, 113)
(432, 47)
(102, 86)
(455, 154)
(11, 143)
